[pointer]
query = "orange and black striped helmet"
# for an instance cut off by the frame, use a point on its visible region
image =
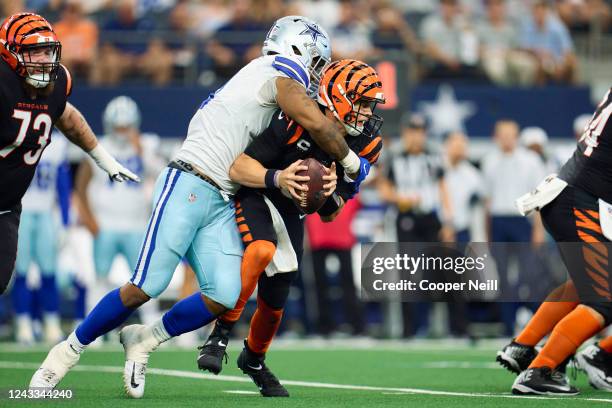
(31, 48)
(351, 89)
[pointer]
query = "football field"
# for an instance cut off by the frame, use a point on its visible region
(316, 374)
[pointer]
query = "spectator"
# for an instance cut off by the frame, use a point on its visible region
(391, 31)
(325, 246)
(535, 139)
(510, 171)
(237, 42)
(416, 187)
(498, 39)
(464, 184)
(549, 42)
(79, 38)
(585, 15)
(450, 44)
(351, 36)
(127, 50)
(209, 16)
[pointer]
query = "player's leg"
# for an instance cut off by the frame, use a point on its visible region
(214, 251)
(169, 233)
(21, 295)
(255, 226)
(573, 220)
(520, 352)
(46, 258)
(272, 295)
(129, 247)
(9, 227)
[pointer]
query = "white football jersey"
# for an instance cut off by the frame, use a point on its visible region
(230, 118)
(41, 196)
(119, 207)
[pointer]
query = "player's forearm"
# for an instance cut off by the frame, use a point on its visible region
(248, 172)
(293, 100)
(330, 139)
(74, 126)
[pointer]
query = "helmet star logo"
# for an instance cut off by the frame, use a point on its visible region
(313, 31)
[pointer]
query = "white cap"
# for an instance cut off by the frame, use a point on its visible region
(533, 135)
(581, 122)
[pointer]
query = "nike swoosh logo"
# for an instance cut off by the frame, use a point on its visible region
(302, 216)
(5, 212)
(259, 367)
(133, 382)
(221, 343)
(73, 349)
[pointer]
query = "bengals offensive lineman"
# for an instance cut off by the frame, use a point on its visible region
(34, 88)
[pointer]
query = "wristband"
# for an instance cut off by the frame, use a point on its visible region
(351, 162)
(271, 179)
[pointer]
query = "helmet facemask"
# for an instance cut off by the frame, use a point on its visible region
(361, 120)
(40, 63)
(315, 70)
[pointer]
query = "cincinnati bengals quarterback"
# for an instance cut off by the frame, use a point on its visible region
(34, 88)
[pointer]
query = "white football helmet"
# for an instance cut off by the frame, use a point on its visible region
(303, 39)
(121, 111)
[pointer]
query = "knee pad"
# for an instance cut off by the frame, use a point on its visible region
(603, 308)
(257, 255)
(274, 290)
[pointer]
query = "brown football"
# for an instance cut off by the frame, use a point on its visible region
(314, 197)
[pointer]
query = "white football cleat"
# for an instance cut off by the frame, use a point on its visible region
(61, 358)
(596, 363)
(138, 342)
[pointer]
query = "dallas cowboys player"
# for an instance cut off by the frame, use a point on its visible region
(118, 231)
(193, 214)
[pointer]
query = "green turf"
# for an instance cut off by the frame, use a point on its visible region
(390, 368)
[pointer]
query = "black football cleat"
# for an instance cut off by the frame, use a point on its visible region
(253, 365)
(212, 353)
(543, 381)
(516, 357)
(597, 364)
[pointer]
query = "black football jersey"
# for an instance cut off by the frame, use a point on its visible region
(590, 167)
(25, 130)
(284, 141)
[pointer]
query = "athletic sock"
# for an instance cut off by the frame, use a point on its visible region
(187, 315)
(559, 303)
(50, 299)
(264, 325)
(21, 295)
(108, 314)
(256, 257)
(567, 336)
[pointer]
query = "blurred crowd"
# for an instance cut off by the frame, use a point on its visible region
(506, 42)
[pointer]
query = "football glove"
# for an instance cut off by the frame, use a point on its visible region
(108, 163)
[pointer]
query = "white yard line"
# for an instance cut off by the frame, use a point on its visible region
(231, 378)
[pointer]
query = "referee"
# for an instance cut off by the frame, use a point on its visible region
(415, 185)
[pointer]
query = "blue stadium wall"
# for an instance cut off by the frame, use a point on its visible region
(167, 111)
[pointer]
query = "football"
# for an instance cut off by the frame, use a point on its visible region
(314, 198)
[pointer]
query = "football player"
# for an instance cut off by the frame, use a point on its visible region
(118, 231)
(577, 218)
(349, 93)
(34, 88)
(39, 231)
(193, 214)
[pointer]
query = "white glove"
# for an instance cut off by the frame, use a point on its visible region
(108, 163)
